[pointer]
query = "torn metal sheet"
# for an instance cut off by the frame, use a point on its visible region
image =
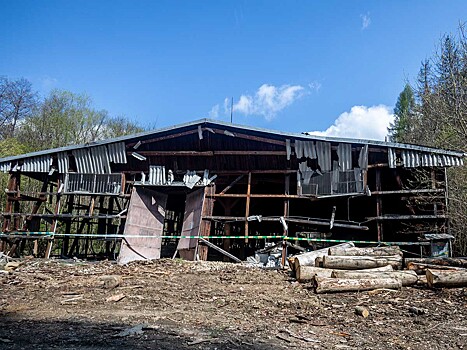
(100, 158)
(344, 152)
(363, 158)
(323, 151)
(63, 162)
(156, 175)
(117, 152)
(288, 148)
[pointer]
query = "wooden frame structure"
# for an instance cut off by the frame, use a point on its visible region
(213, 179)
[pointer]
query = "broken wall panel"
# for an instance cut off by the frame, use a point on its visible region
(145, 218)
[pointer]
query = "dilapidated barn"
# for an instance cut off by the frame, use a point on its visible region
(207, 188)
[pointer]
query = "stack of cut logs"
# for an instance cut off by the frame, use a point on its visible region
(346, 268)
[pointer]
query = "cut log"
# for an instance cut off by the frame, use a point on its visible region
(361, 262)
(455, 262)
(420, 269)
(362, 311)
(334, 285)
(308, 259)
(307, 273)
(408, 278)
(385, 268)
(369, 251)
(444, 278)
(319, 261)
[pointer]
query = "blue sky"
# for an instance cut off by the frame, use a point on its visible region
(289, 65)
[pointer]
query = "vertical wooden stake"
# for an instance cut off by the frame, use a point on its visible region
(379, 205)
(247, 209)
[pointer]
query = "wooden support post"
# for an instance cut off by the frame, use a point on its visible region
(379, 204)
(8, 209)
(227, 204)
(66, 239)
(205, 225)
(286, 214)
(247, 207)
(48, 250)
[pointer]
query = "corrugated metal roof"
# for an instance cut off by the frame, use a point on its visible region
(37, 164)
(214, 123)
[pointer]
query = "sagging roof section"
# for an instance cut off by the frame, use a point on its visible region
(95, 157)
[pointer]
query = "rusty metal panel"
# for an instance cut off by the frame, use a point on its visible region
(145, 218)
(191, 223)
(117, 152)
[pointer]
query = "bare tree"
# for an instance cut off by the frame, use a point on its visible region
(17, 102)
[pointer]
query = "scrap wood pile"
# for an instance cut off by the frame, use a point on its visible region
(346, 268)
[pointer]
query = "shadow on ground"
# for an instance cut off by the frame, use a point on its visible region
(18, 332)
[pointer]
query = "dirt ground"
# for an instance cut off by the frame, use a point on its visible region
(172, 304)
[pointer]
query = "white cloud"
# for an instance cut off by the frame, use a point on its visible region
(315, 86)
(366, 21)
(214, 112)
(268, 100)
(361, 122)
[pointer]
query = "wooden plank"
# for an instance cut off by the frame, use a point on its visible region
(145, 217)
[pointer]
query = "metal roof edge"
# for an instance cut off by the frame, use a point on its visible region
(302, 136)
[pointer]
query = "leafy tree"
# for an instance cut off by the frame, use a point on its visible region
(404, 113)
(66, 118)
(439, 119)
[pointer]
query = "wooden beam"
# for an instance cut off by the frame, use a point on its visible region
(234, 258)
(162, 138)
(211, 153)
(317, 222)
(232, 184)
(252, 138)
(414, 191)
